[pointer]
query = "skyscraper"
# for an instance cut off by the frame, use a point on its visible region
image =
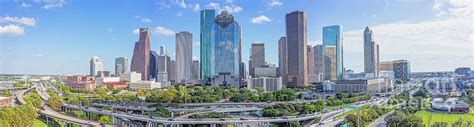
(319, 61)
(95, 65)
(310, 60)
(371, 55)
(207, 21)
(172, 72)
(184, 56)
(257, 57)
(163, 66)
(282, 60)
(141, 54)
(226, 46)
(152, 70)
(296, 49)
(195, 69)
(121, 65)
(332, 38)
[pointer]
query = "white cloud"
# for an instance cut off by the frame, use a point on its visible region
(196, 8)
(19, 20)
(229, 1)
(454, 8)
(143, 19)
(162, 4)
(136, 31)
(260, 19)
(109, 30)
(163, 31)
(230, 8)
(314, 42)
(50, 4)
(195, 58)
(25, 5)
(11, 30)
(181, 3)
(38, 55)
(274, 3)
(179, 14)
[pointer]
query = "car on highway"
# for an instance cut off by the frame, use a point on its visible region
(222, 119)
(242, 118)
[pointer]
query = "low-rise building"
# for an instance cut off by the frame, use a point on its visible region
(130, 77)
(107, 79)
(268, 84)
(329, 86)
(363, 85)
(116, 84)
(265, 71)
(144, 85)
(86, 83)
(224, 79)
(451, 105)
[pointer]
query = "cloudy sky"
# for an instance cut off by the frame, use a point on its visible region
(60, 36)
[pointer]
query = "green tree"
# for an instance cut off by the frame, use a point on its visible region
(55, 102)
(106, 120)
(7, 93)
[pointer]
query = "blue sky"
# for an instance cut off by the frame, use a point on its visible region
(60, 36)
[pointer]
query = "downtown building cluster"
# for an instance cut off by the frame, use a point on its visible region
(220, 63)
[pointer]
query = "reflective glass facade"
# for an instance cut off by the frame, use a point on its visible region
(207, 21)
(225, 46)
(332, 36)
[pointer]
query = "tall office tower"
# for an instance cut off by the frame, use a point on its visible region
(257, 57)
(195, 69)
(141, 54)
(95, 65)
(319, 61)
(371, 55)
(332, 38)
(282, 60)
(152, 70)
(207, 21)
(121, 65)
(243, 72)
(172, 72)
(310, 60)
(163, 66)
(184, 56)
(226, 55)
(296, 38)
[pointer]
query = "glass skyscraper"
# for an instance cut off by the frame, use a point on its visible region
(332, 37)
(225, 46)
(207, 21)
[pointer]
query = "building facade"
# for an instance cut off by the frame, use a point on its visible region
(268, 84)
(401, 69)
(332, 38)
(152, 69)
(363, 85)
(265, 71)
(226, 46)
(148, 85)
(130, 77)
(141, 54)
(121, 65)
(195, 69)
(319, 62)
(371, 55)
(330, 58)
(95, 65)
(282, 60)
(296, 39)
(206, 23)
(184, 56)
(257, 57)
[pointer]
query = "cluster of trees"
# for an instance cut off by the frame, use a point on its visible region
(365, 115)
(345, 98)
(402, 97)
(106, 119)
(159, 112)
(19, 84)
(402, 119)
(7, 93)
(287, 109)
(470, 97)
(34, 99)
(210, 115)
(422, 93)
(206, 94)
(19, 116)
(54, 101)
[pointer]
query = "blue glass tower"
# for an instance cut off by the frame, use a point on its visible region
(332, 37)
(207, 21)
(226, 46)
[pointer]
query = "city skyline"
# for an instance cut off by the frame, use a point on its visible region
(19, 49)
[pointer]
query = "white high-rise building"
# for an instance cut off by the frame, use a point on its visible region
(95, 65)
(184, 56)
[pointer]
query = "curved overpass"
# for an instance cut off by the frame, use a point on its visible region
(53, 114)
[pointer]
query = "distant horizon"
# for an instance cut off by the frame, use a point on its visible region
(59, 38)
